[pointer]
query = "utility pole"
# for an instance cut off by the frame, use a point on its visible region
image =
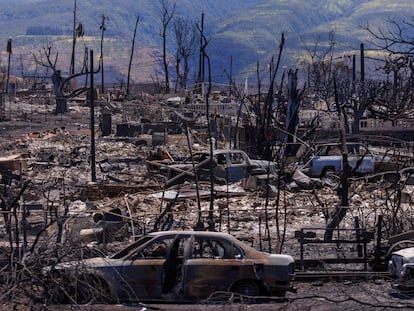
(292, 118)
(92, 119)
(231, 77)
(132, 54)
(201, 56)
(9, 50)
(72, 61)
(102, 28)
(353, 73)
(362, 63)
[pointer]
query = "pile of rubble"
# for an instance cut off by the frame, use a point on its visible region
(49, 193)
(57, 162)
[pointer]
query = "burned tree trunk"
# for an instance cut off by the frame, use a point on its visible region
(167, 13)
(292, 118)
(341, 210)
(61, 100)
(61, 85)
(132, 54)
(186, 38)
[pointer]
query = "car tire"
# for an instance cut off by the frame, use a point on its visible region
(280, 293)
(56, 293)
(328, 172)
(246, 288)
(91, 289)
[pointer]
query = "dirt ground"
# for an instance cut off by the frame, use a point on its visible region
(313, 296)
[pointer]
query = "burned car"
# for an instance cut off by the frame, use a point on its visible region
(173, 266)
(110, 225)
(227, 165)
(328, 159)
(401, 266)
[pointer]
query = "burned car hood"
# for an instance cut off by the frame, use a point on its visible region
(264, 164)
(280, 259)
(95, 262)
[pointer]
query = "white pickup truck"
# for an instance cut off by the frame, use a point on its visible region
(363, 162)
(401, 266)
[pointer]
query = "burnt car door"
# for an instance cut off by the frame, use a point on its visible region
(231, 166)
(215, 264)
(220, 166)
(237, 168)
(142, 272)
(146, 270)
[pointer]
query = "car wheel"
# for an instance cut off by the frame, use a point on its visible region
(280, 293)
(91, 289)
(328, 172)
(56, 292)
(246, 288)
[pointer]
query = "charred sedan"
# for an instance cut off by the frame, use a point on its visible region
(174, 266)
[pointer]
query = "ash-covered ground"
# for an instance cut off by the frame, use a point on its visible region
(56, 164)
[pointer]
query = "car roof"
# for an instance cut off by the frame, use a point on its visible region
(408, 253)
(249, 250)
(190, 232)
(218, 151)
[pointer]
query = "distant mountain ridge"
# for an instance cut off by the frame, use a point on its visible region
(247, 30)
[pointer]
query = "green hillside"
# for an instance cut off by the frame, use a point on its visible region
(121, 15)
(247, 30)
(304, 23)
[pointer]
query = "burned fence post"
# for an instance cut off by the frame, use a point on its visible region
(106, 127)
(377, 254)
(358, 236)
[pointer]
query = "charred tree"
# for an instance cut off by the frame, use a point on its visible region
(60, 83)
(211, 223)
(264, 139)
(292, 114)
(61, 100)
(77, 32)
(167, 14)
(341, 210)
(132, 55)
(321, 68)
(393, 99)
(186, 37)
(395, 39)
